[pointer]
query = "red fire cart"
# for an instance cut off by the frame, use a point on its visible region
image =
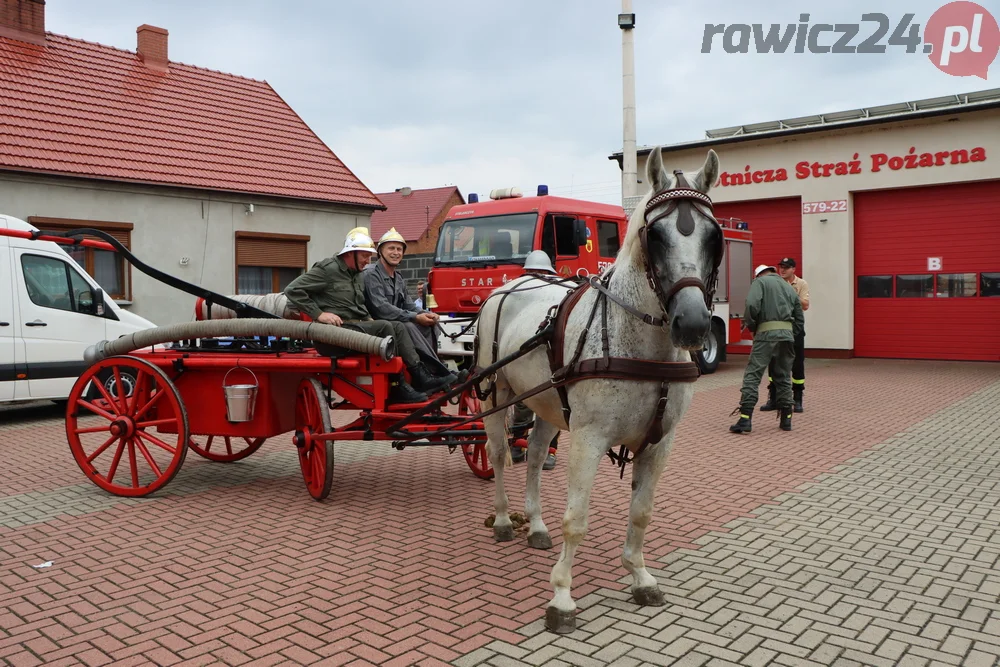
(131, 418)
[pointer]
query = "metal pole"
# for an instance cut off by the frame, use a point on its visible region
(630, 187)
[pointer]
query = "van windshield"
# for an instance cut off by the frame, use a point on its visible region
(492, 239)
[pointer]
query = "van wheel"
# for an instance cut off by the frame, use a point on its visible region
(107, 378)
(710, 356)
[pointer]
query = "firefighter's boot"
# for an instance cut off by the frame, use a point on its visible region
(743, 424)
(401, 392)
(797, 395)
(424, 381)
(786, 418)
(771, 398)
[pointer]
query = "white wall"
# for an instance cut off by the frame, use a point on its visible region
(173, 223)
(828, 247)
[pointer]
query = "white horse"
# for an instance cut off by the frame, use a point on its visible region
(682, 246)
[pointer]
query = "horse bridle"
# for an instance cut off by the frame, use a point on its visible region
(683, 199)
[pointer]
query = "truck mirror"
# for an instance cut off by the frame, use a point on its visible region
(580, 232)
(97, 301)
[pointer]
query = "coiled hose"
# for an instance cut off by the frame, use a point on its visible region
(320, 333)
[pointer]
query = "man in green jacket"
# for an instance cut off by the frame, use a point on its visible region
(774, 314)
(332, 292)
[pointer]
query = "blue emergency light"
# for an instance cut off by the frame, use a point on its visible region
(543, 190)
(473, 198)
(742, 225)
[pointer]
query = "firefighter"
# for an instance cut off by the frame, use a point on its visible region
(537, 262)
(773, 313)
(386, 299)
(786, 267)
(332, 292)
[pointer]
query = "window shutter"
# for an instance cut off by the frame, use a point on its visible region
(272, 252)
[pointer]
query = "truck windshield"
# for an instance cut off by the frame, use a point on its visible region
(499, 238)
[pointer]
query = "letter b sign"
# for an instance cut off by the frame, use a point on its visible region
(933, 263)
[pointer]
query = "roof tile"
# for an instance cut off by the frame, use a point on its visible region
(85, 109)
(410, 214)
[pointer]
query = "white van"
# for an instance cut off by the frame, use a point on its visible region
(50, 312)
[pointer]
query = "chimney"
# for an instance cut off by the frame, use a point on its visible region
(23, 20)
(152, 47)
(406, 192)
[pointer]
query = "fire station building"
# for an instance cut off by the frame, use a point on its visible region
(891, 213)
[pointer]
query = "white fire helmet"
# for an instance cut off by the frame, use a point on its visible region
(358, 239)
(538, 260)
(762, 268)
(392, 236)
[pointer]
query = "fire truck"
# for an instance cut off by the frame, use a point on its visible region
(482, 245)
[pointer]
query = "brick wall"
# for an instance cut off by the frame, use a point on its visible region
(414, 269)
(23, 20)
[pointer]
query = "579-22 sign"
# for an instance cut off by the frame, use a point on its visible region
(832, 206)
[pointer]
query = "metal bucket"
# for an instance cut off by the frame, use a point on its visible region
(240, 398)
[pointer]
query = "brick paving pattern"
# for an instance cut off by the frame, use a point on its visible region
(235, 564)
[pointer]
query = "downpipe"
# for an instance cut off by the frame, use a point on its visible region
(314, 331)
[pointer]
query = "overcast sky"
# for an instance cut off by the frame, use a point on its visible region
(485, 95)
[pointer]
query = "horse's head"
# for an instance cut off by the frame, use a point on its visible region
(683, 247)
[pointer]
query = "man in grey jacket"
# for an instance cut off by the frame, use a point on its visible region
(386, 299)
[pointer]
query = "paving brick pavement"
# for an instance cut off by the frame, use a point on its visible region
(234, 564)
(892, 559)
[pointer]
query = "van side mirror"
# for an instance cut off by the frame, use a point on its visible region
(97, 301)
(580, 232)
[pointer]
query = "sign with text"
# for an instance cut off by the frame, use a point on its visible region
(933, 263)
(832, 206)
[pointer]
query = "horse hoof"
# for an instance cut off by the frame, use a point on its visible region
(649, 597)
(539, 541)
(503, 533)
(559, 621)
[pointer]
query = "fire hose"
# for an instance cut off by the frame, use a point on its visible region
(314, 331)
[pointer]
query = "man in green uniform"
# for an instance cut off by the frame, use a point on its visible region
(774, 314)
(332, 292)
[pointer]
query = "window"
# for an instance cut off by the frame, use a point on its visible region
(565, 240)
(989, 284)
(874, 287)
(956, 284)
(500, 237)
(108, 268)
(53, 283)
(266, 263)
(607, 238)
(915, 286)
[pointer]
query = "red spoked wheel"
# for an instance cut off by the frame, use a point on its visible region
(475, 455)
(110, 437)
(224, 448)
(312, 417)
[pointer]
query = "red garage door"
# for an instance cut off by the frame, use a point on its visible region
(776, 225)
(927, 272)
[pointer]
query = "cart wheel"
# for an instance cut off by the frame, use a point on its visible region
(114, 431)
(475, 455)
(312, 417)
(226, 449)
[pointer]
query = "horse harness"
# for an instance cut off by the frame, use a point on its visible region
(552, 330)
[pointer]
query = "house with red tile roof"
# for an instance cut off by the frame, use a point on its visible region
(417, 215)
(208, 176)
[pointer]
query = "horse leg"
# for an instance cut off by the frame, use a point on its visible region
(586, 452)
(646, 470)
(499, 452)
(538, 448)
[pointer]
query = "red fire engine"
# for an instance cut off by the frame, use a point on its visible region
(482, 245)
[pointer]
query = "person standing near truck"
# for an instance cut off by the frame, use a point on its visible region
(786, 267)
(537, 262)
(774, 314)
